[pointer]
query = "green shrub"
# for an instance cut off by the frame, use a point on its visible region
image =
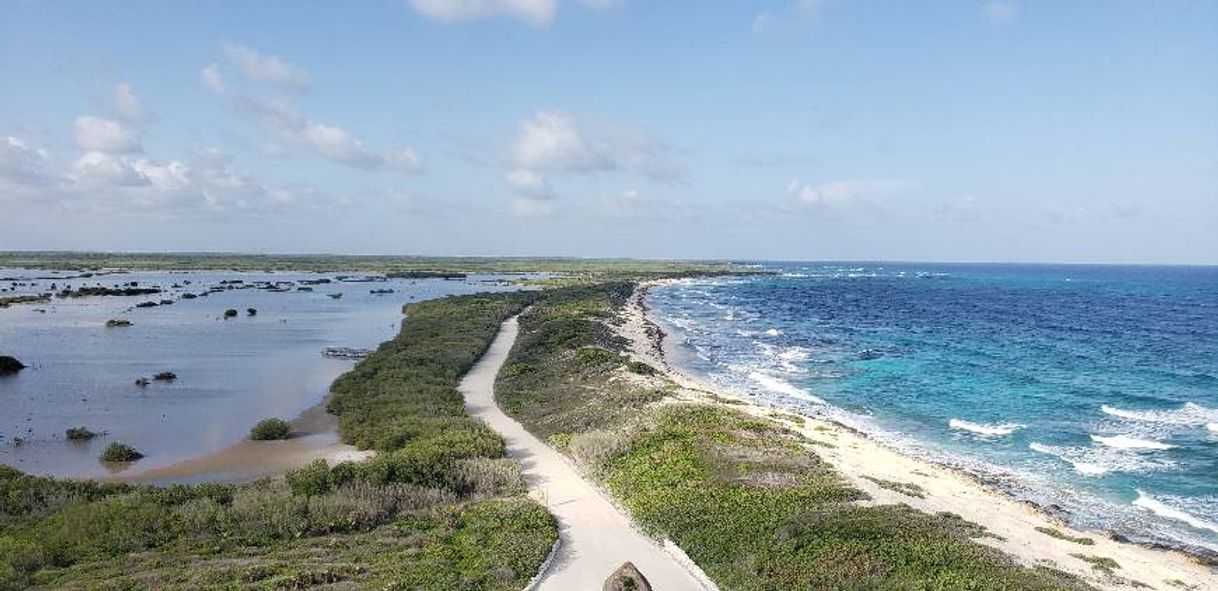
(641, 368)
(79, 434)
(120, 452)
(596, 357)
(271, 429)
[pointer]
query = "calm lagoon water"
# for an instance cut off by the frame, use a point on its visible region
(231, 372)
(1091, 390)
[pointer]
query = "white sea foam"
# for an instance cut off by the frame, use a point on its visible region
(1095, 461)
(1161, 509)
(774, 384)
(1127, 442)
(1213, 427)
(985, 429)
(1190, 414)
(1082, 467)
(773, 332)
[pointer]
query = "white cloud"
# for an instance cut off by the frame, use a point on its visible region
(528, 207)
(128, 106)
(95, 170)
(602, 4)
(335, 143)
(95, 134)
(530, 184)
(841, 193)
(21, 165)
(535, 12)
(798, 11)
(268, 69)
(212, 80)
(556, 142)
(1000, 11)
(293, 130)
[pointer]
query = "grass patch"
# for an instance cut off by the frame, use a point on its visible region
(908, 489)
(1054, 533)
(1101, 563)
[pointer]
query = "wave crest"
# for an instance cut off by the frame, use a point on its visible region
(774, 384)
(1190, 414)
(985, 429)
(1127, 442)
(1161, 509)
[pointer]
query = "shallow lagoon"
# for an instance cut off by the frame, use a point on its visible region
(231, 372)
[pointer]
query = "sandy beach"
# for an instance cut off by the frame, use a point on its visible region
(859, 459)
(315, 437)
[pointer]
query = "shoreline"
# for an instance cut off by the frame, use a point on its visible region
(874, 468)
(314, 437)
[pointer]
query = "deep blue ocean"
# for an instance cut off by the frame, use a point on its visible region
(1090, 390)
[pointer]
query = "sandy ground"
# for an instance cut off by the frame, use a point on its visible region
(856, 456)
(315, 438)
(596, 538)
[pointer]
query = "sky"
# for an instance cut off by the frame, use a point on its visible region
(970, 130)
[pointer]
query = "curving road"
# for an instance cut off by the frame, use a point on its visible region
(596, 537)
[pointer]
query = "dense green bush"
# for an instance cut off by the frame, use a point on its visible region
(270, 429)
(120, 452)
(641, 368)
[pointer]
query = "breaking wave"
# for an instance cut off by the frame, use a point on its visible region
(1161, 509)
(985, 429)
(1191, 414)
(776, 385)
(1127, 442)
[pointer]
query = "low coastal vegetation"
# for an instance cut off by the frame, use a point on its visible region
(120, 452)
(1101, 563)
(439, 508)
(79, 434)
(271, 429)
(6, 301)
(397, 266)
(1054, 533)
(908, 489)
(748, 499)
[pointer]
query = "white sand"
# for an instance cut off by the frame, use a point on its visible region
(854, 456)
(596, 537)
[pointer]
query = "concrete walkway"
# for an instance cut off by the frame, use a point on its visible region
(596, 537)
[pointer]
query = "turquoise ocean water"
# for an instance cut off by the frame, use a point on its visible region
(1089, 390)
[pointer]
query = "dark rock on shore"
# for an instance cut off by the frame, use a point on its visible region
(165, 376)
(627, 578)
(9, 364)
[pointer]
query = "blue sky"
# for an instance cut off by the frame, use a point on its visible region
(1007, 130)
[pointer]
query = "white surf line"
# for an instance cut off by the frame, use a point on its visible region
(596, 537)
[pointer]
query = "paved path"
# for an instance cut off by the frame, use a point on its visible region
(596, 537)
